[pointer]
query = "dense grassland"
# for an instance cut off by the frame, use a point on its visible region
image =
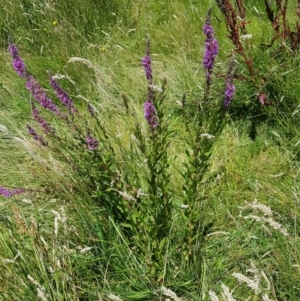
(168, 214)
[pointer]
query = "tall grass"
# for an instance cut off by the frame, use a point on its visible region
(182, 211)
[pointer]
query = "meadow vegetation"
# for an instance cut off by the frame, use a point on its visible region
(149, 150)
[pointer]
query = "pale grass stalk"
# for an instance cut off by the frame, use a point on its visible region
(62, 76)
(218, 233)
(254, 283)
(59, 217)
(134, 139)
(213, 296)
(44, 242)
(267, 217)
(3, 128)
(169, 293)
(207, 135)
(251, 283)
(126, 196)
(268, 220)
(41, 292)
(114, 297)
(99, 297)
(266, 210)
(84, 250)
(89, 103)
(265, 297)
(227, 293)
(26, 201)
(88, 63)
(4, 260)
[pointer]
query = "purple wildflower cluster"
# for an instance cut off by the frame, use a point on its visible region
(230, 88)
(39, 94)
(146, 61)
(9, 193)
(149, 107)
(150, 112)
(42, 122)
(35, 136)
(18, 63)
(229, 91)
(61, 94)
(211, 48)
(91, 142)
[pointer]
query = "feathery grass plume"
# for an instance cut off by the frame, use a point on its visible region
(211, 49)
(227, 293)
(213, 296)
(41, 291)
(62, 95)
(169, 293)
(255, 283)
(18, 63)
(113, 297)
(267, 217)
(265, 297)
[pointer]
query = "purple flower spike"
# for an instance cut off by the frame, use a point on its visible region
(18, 63)
(229, 93)
(146, 61)
(211, 48)
(91, 142)
(230, 88)
(39, 94)
(35, 136)
(42, 122)
(9, 193)
(149, 107)
(61, 94)
(150, 115)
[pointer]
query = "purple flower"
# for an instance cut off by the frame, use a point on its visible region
(91, 142)
(230, 88)
(18, 64)
(42, 122)
(150, 114)
(8, 193)
(150, 111)
(146, 61)
(35, 136)
(39, 94)
(149, 107)
(61, 94)
(229, 93)
(211, 48)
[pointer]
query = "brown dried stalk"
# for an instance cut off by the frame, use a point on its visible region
(280, 26)
(235, 21)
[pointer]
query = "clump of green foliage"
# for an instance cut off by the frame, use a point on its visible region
(109, 199)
